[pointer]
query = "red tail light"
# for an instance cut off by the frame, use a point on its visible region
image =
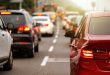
(75, 29)
(87, 54)
(45, 24)
(24, 29)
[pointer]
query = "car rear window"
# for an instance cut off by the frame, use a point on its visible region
(100, 26)
(41, 19)
(38, 24)
(17, 19)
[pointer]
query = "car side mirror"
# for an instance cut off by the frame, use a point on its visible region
(10, 26)
(69, 33)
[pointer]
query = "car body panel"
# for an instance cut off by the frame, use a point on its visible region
(90, 53)
(6, 42)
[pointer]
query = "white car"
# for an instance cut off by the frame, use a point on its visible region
(48, 27)
(6, 58)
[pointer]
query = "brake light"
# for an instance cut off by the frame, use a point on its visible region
(75, 29)
(45, 24)
(87, 54)
(24, 29)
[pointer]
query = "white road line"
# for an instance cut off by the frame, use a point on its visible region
(51, 48)
(59, 60)
(57, 33)
(55, 40)
(45, 60)
(56, 36)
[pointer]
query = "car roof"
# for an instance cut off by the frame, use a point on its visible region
(15, 11)
(40, 16)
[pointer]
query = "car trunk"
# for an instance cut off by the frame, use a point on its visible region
(101, 52)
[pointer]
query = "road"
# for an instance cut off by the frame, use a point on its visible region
(52, 59)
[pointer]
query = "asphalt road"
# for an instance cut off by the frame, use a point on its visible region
(53, 58)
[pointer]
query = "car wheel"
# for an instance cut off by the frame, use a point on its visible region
(71, 39)
(8, 66)
(52, 34)
(39, 39)
(37, 48)
(31, 51)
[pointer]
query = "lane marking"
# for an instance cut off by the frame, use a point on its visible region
(51, 48)
(55, 40)
(59, 60)
(45, 60)
(56, 36)
(57, 33)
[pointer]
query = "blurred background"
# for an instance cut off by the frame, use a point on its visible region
(58, 20)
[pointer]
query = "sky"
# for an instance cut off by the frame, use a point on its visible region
(86, 4)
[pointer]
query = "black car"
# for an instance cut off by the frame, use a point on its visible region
(24, 38)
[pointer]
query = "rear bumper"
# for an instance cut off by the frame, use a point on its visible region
(22, 41)
(87, 69)
(21, 46)
(89, 72)
(47, 31)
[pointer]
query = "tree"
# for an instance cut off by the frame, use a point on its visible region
(27, 4)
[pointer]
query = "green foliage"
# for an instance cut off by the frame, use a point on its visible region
(27, 4)
(69, 6)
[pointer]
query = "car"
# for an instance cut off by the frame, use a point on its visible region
(24, 38)
(6, 55)
(73, 25)
(90, 50)
(52, 15)
(67, 20)
(48, 27)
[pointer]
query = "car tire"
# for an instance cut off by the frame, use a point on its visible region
(37, 48)
(39, 39)
(8, 66)
(52, 34)
(31, 51)
(71, 39)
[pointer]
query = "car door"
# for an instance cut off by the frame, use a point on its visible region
(5, 41)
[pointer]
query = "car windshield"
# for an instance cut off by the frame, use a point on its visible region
(17, 20)
(100, 26)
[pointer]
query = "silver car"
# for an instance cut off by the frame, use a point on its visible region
(6, 58)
